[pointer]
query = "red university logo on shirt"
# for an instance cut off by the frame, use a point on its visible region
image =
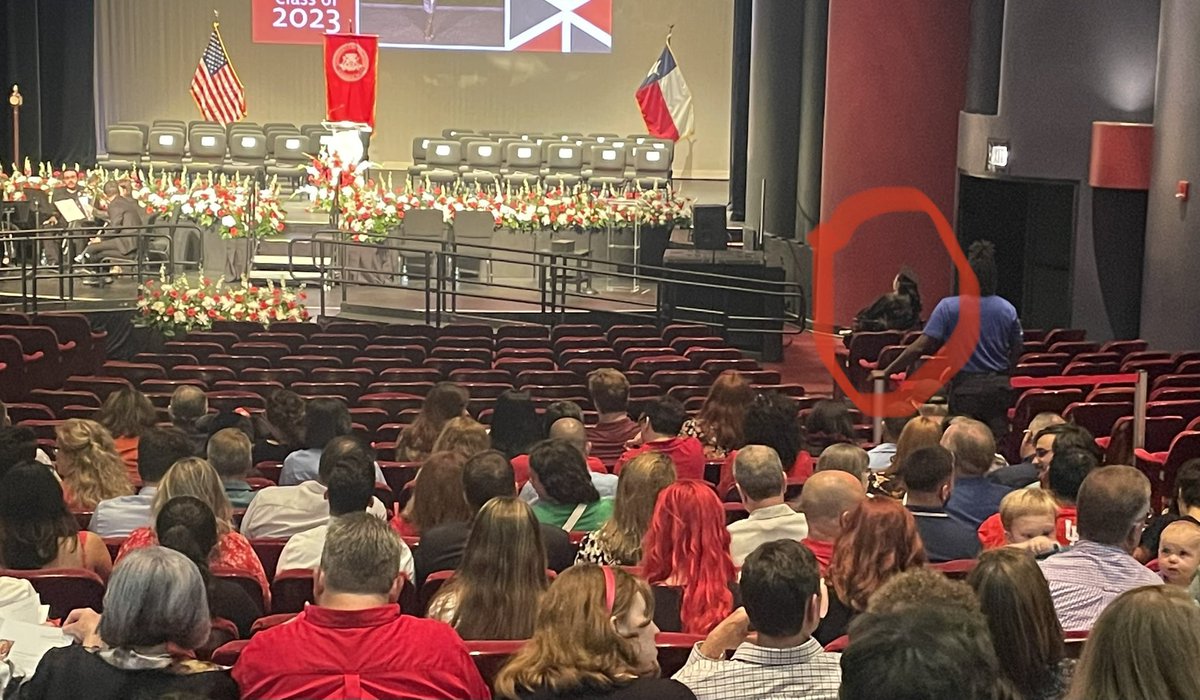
(350, 62)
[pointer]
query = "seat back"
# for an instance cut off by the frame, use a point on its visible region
(485, 155)
(563, 158)
(522, 156)
(425, 224)
(64, 590)
(444, 154)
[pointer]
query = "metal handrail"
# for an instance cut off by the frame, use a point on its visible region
(551, 270)
(68, 270)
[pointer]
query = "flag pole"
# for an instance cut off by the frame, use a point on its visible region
(670, 31)
(216, 18)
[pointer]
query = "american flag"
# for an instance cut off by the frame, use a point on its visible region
(215, 86)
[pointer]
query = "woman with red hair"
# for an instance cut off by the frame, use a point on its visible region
(687, 546)
(879, 540)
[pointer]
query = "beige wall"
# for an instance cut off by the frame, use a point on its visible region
(147, 50)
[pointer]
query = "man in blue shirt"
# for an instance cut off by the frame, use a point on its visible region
(981, 389)
(929, 476)
(974, 498)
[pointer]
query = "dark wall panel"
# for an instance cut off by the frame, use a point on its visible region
(1120, 235)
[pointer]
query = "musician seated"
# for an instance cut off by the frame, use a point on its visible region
(124, 216)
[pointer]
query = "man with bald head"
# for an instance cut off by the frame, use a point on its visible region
(761, 483)
(1025, 472)
(189, 405)
(975, 498)
(574, 432)
(826, 498)
(1113, 505)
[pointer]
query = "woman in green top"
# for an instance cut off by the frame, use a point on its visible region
(566, 497)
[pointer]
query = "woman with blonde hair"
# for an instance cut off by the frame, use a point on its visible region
(918, 433)
(719, 424)
(593, 638)
(444, 401)
(463, 435)
(495, 591)
(619, 541)
(1144, 646)
(89, 465)
(196, 477)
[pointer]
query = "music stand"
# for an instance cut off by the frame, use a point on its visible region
(10, 211)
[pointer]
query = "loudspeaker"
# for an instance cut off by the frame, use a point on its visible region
(708, 221)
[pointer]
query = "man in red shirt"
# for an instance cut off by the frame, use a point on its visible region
(355, 643)
(661, 421)
(610, 395)
(826, 497)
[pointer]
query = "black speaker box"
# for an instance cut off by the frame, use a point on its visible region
(708, 221)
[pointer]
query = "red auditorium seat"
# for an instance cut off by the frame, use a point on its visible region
(1076, 368)
(620, 345)
(513, 330)
(1160, 431)
(531, 377)
(1057, 335)
(20, 412)
(681, 330)
(414, 329)
(1113, 394)
(133, 372)
(698, 356)
(240, 363)
(56, 358)
(307, 363)
(581, 343)
(247, 582)
(367, 329)
(100, 386)
(659, 363)
(304, 328)
(464, 330)
(239, 328)
(263, 389)
(446, 365)
(1153, 368)
(763, 376)
(1037, 369)
(1185, 356)
(433, 583)
(481, 376)
(391, 403)
(491, 655)
(716, 367)
(273, 351)
(379, 365)
(91, 345)
(456, 353)
(630, 355)
(413, 388)
(472, 342)
(545, 394)
(64, 590)
(225, 340)
(1098, 417)
(268, 550)
(422, 342)
(1189, 410)
(166, 360)
(684, 343)
(689, 377)
(354, 340)
(291, 590)
(1175, 394)
(631, 331)
(684, 392)
(1175, 380)
(206, 374)
(344, 354)
(1161, 467)
(230, 400)
(576, 330)
(1035, 401)
(293, 341)
(353, 375)
(200, 350)
(348, 391)
(866, 346)
(521, 343)
(284, 376)
(526, 353)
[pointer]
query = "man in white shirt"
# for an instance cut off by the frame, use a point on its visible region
(287, 511)
(761, 482)
(348, 469)
(881, 454)
(784, 600)
(573, 431)
(158, 449)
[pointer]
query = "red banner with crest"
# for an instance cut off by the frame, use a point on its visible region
(351, 68)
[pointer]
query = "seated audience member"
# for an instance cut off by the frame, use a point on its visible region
(685, 555)
(1020, 615)
(516, 427)
(845, 457)
(782, 600)
(566, 496)
(1187, 489)
(899, 309)
(610, 395)
(444, 402)
(437, 496)
(922, 586)
(485, 476)
(1144, 646)
(926, 652)
(771, 421)
(17, 444)
(350, 480)
(975, 499)
(720, 422)
(324, 419)
(279, 430)
(929, 477)
(354, 642)
(1113, 505)
(284, 511)
(918, 433)
(574, 432)
(827, 423)
(1066, 471)
(1147, 549)
(229, 452)
(879, 540)
(36, 529)
(1026, 472)
(1056, 438)
(593, 639)
(661, 422)
(188, 405)
(89, 465)
(1027, 516)
(464, 435)
(127, 414)
(761, 484)
(1179, 554)
(194, 477)
(117, 517)
(618, 542)
(155, 613)
(495, 590)
(880, 456)
(186, 524)
(826, 498)
(7, 458)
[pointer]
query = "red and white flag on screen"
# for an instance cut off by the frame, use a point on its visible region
(665, 100)
(215, 86)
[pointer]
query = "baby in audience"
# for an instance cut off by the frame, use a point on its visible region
(1179, 553)
(1028, 516)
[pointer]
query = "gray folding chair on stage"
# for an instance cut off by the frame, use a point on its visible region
(564, 162)
(207, 152)
(522, 160)
(124, 145)
(164, 150)
(473, 228)
(602, 137)
(443, 157)
(420, 152)
(484, 159)
(247, 154)
(290, 161)
(608, 167)
(422, 229)
(652, 165)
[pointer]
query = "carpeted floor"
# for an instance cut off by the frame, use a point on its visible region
(801, 365)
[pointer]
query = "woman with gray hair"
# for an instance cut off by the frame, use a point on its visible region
(155, 612)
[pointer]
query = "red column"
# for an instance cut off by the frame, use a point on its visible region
(895, 85)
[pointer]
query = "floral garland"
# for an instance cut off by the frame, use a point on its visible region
(176, 306)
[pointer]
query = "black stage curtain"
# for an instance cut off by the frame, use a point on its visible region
(48, 53)
(739, 115)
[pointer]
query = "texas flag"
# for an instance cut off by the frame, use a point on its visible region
(665, 100)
